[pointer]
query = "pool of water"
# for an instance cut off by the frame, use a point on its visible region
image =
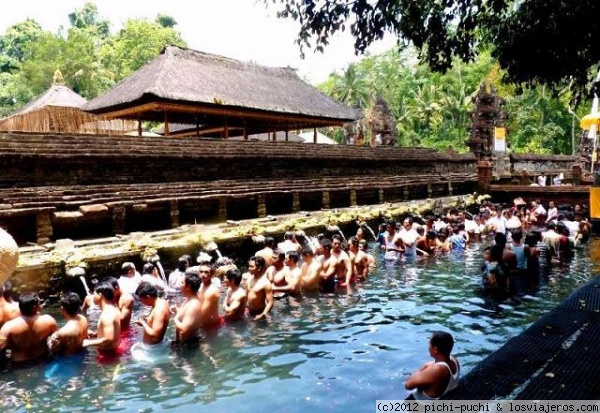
(324, 353)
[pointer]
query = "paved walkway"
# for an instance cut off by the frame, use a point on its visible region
(558, 357)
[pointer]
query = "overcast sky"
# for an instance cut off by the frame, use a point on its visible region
(240, 29)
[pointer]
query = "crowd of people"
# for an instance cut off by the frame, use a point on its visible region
(527, 240)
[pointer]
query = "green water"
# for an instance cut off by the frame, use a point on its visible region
(324, 354)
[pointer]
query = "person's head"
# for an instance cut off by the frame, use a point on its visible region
(191, 281)
(70, 303)
(517, 235)
(390, 226)
(407, 223)
(307, 252)
(149, 268)
(29, 304)
(104, 290)
(205, 272)
(278, 257)
(496, 253)
(363, 245)
(146, 292)
(292, 257)
(269, 242)
(233, 276)
(128, 269)
(288, 236)
(441, 342)
(182, 264)
(256, 265)
(326, 244)
(114, 283)
(336, 242)
(500, 239)
(551, 226)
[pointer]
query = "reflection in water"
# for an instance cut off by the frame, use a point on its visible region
(321, 353)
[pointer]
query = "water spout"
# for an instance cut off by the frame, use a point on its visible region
(85, 286)
(213, 247)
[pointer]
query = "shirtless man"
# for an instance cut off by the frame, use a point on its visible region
(187, 317)
(8, 310)
(260, 289)
(266, 252)
(343, 266)
(309, 271)
(364, 246)
(278, 271)
(209, 295)
(155, 325)
(436, 378)
(359, 260)
(327, 272)
(291, 284)
(69, 339)
(26, 335)
(123, 300)
(108, 330)
(234, 304)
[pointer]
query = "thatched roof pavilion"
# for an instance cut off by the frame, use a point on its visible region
(58, 110)
(219, 94)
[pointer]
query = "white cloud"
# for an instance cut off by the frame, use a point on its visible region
(240, 29)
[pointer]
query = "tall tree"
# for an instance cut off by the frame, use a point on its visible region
(546, 41)
(88, 18)
(14, 42)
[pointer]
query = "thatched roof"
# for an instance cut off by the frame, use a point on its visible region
(58, 110)
(188, 86)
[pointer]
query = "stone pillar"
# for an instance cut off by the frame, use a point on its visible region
(449, 188)
(429, 191)
(119, 214)
(576, 174)
(44, 230)
(325, 202)
(381, 196)
(174, 212)
(262, 207)
(353, 197)
(222, 215)
(405, 193)
(484, 174)
(295, 201)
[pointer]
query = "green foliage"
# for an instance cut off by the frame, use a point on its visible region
(136, 44)
(14, 43)
(165, 20)
(14, 93)
(87, 18)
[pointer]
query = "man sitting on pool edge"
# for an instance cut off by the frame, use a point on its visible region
(437, 377)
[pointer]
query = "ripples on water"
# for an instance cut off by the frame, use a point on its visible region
(324, 353)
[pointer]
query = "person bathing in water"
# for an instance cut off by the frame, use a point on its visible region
(155, 325)
(437, 377)
(69, 339)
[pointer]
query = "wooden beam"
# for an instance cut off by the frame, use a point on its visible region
(166, 124)
(315, 135)
(139, 128)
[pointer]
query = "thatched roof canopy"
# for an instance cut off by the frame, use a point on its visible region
(58, 110)
(188, 86)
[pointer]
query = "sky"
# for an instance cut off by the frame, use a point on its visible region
(246, 30)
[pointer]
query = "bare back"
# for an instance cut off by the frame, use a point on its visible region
(26, 336)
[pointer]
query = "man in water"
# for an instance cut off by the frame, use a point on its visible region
(260, 289)
(108, 330)
(187, 317)
(26, 336)
(8, 310)
(124, 301)
(234, 304)
(69, 339)
(436, 378)
(130, 278)
(310, 271)
(343, 266)
(209, 295)
(155, 325)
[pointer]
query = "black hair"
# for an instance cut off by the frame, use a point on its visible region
(112, 281)
(145, 289)
(192, 281)
(500, 239)
(294, 256)
(443, 341)
(70, 302)
(259, 262)
(326, 243)
(269, 242)
(288, 235)
(28, 302)
(106, 290)
(148, 268)
(182, 263)
(234, 275)
(517, 235)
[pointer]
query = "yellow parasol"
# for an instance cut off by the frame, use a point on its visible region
(592, 119)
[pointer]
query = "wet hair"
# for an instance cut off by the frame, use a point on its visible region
(192, 281)
(112, 281)
(182, 263)
(234, 275)
(289, 235)
(280, 254)
(443, 341)
(187, 257)
(70, 302)
(517, 235)
(353, 241)
(293, 255)
(496, 252)
(28, 302)
(269, 242)
(126, 267)
(7, 292)
(391, 222)
(551, 225)
(148, 268)
(431, 234)
(337, 237)
(145, 289)
(106, 290)
(326, 243)
(420, 230)
(307, 251)
(259, 262)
